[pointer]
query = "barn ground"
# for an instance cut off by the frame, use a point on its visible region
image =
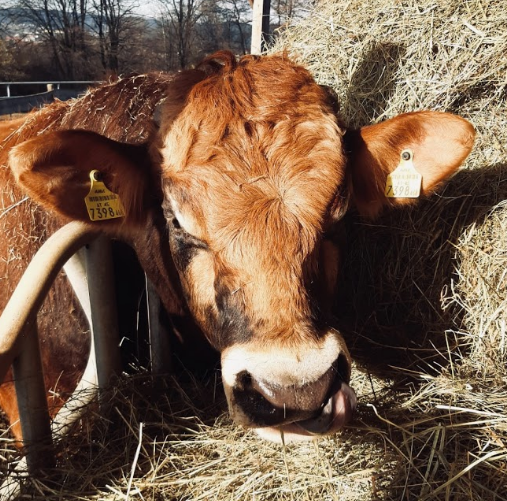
(422, 302)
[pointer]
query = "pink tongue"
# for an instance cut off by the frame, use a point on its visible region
(344, 404)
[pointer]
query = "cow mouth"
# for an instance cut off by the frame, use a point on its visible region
(335, 414)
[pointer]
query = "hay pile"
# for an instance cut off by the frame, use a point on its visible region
(423, 303)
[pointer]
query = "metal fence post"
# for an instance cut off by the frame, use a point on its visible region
(160, 350)
(104, 315)
(19, 344)
(32, 402)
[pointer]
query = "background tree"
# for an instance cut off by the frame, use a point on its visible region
(241, 15)
(223, 24)
(167, 42)
(89, 39)
(113, 21)
(6, 63)
(286, 11)
(6, 57)
(236, 18)
(62, 26)
(180, 17)
(142, 48)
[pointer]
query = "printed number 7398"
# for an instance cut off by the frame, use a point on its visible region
(102, 213)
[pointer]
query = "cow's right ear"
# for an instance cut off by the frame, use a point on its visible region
(54, 169)
(439, 142)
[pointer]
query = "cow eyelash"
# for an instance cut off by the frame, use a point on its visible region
(178, 232)
(185, 240)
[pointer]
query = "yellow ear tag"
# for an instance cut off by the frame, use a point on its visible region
(102, 203)
(404, 181)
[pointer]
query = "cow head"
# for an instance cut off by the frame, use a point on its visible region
(233, 206)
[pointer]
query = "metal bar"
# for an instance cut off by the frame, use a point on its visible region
(44, 82)
(32, 402)
(86, 390)
(34, 285)
(160, 350)
(255, 47)
(19, 344)
(266, 8)
(99, 268)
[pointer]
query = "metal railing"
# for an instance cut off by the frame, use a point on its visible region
(50, 84)
(19, 343)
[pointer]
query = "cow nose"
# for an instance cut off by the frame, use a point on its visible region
(310, 404)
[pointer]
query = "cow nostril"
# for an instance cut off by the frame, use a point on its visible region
(243, 380)
(254, 403)
(342, 368)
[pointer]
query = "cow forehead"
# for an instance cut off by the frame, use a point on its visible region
(235, 156)
(259, 193)
(262, 106)
(229, 206)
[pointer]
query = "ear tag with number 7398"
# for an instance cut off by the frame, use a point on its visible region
(101, 203)
(404, 181)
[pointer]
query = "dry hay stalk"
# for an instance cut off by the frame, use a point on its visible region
(422, 301)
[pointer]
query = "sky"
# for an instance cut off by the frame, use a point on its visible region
(147, 8)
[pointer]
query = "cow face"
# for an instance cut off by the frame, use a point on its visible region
(253, 173)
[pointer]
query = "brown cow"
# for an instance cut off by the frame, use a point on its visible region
(231, 201)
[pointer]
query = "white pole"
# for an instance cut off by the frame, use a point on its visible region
(260, 25)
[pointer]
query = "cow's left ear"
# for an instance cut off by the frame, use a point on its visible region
(54, 169)
(439, 142)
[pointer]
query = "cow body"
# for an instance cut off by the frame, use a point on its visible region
(234, 177)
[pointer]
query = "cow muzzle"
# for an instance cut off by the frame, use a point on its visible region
(286, 396)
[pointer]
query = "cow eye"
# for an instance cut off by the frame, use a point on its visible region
(180, 236)
(176, 224)
(171, 219)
